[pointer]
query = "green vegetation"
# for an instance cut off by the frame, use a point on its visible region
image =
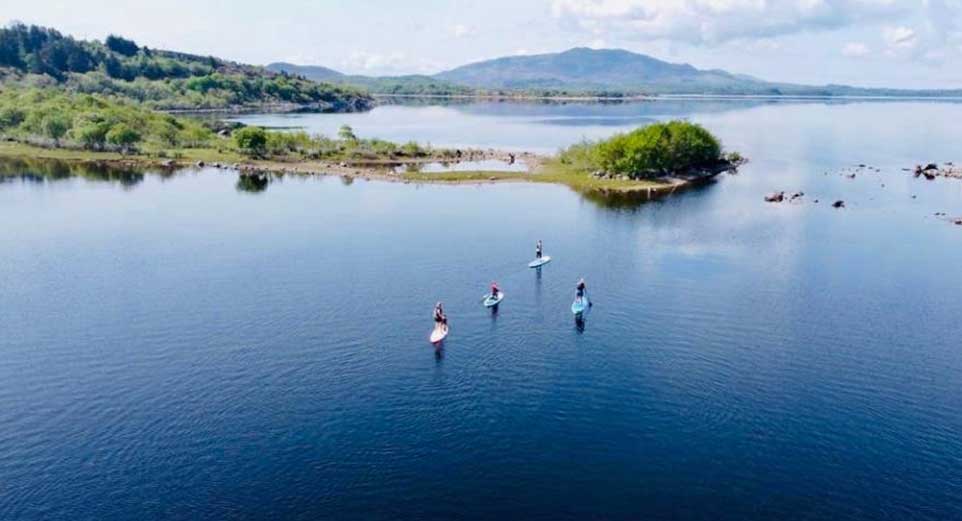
(61, 120)
(50, 117)
(251, 140)
(649, 152)
(300, 146)
(37, 56)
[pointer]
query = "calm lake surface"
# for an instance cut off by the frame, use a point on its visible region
(192, 347)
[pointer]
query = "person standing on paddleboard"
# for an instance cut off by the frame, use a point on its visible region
(538, 250)
(580, 289)
(495, 290)
(440, 319)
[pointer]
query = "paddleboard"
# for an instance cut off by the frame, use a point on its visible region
(439, 334)
(537, 263)
(579, 306)
(490, 302)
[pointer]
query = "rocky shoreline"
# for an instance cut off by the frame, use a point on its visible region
(380, 168)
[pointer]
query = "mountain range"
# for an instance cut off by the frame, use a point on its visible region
(583, 70)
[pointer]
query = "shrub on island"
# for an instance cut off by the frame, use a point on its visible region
(658, 150)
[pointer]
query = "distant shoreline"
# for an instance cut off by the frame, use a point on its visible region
(661, 97)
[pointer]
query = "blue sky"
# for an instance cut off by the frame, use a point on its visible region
(901, 43)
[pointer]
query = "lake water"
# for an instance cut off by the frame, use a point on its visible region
(193, 346)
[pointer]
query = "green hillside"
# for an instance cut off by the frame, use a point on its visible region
(38, 56)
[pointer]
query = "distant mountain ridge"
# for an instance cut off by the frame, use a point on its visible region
(584, 68)
(311, 72)
(593, 71)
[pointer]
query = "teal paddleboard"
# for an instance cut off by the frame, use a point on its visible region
(580, 305)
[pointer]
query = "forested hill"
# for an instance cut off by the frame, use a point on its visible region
(41, 56)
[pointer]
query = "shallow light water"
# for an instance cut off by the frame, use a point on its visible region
(487, 165)
(197, 347)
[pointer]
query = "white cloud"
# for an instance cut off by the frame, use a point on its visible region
(713, 21)
(856, 50)
(597, 43)
(364, 62)
(900, 37)
(369, 61)
(461, 30)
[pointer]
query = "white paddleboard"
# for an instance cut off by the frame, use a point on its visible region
(491, 302)
(537, 263)
(439, 334)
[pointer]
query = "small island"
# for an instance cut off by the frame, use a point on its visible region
(46, 123)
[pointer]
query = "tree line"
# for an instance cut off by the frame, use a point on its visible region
(164, 79)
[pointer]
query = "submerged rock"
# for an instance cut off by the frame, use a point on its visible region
(838, 204)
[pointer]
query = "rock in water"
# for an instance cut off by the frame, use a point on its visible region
(838, 204)
(776, 197)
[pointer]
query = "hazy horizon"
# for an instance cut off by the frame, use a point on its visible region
(872, 43)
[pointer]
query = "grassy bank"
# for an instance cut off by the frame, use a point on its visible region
(551, 170)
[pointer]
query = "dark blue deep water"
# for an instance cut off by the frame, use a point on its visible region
(176, 348)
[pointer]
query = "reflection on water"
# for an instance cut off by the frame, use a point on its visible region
(52, 170)
(580, 323)
(628, 200)
(487, 165)
(252, 183)
(46, 170)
